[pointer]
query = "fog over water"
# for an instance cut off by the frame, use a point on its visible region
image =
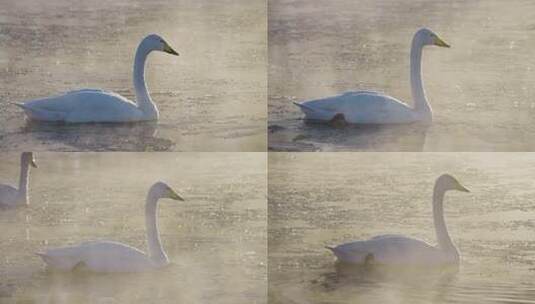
(332, 198)
(215, 239)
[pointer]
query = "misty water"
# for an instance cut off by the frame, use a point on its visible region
(211, 98)
(215, 240)
(332, 198)
(482, 89)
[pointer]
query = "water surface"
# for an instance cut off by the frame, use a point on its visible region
(482, 89)
(216, 239)
(332, 198)
(211, 98)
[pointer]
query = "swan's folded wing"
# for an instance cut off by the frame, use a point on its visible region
(36, 112)
(74, 100)
(354, 252)
(402, 250)
(360, 107)
(98, 256)
(387, 249)
(88, 105)
(54, 108)
(108, 256)
(64, 258)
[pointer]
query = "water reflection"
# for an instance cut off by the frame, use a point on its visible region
(353, 276)
(140, 136)
(300, 135)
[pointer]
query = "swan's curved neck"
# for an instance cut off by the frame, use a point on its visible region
(443, 237)
(143, 99)
(156, 252)
(418, 94)
(24, 180)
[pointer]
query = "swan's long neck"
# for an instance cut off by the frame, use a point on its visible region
(418, 94)
(157, 255)
(443, 237)
(143, 99)
(24, 180)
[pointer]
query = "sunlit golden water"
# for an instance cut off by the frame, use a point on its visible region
(482, 89)
(216, 239)
(332, 198)
(211, 98)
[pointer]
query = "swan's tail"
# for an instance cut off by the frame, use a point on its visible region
(18, 104)
(304, 106)
(43, 256)
(314, 113)
(38, 114)
(62, 262)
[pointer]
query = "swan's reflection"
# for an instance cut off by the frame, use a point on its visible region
(140, 136)
(305, 136)
(435, 281)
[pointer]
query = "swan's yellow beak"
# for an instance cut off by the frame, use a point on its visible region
(175, 196)
(462, 188)
(440, 42)
(169, 50)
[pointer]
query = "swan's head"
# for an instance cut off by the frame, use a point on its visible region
(27, 158)
(447, 182)
(157, 43)
(162, 190)
(428, 37)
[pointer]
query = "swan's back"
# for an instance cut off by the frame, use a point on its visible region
(99, 256)
(88, 105)
(364, 107)
(391, 250)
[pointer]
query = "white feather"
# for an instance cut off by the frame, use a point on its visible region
(396, 249)
(109, 256)
(95, 105)
(370, 107)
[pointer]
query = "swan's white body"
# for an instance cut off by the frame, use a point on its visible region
(393, 249)
(108, 256)
(369, 107)
(94, 105)
(11, 197)
(99, 256)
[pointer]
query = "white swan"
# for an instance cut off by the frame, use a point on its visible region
(94, 105)
(107, 256)
(400, 250)
(11, 197)
(368, 107)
